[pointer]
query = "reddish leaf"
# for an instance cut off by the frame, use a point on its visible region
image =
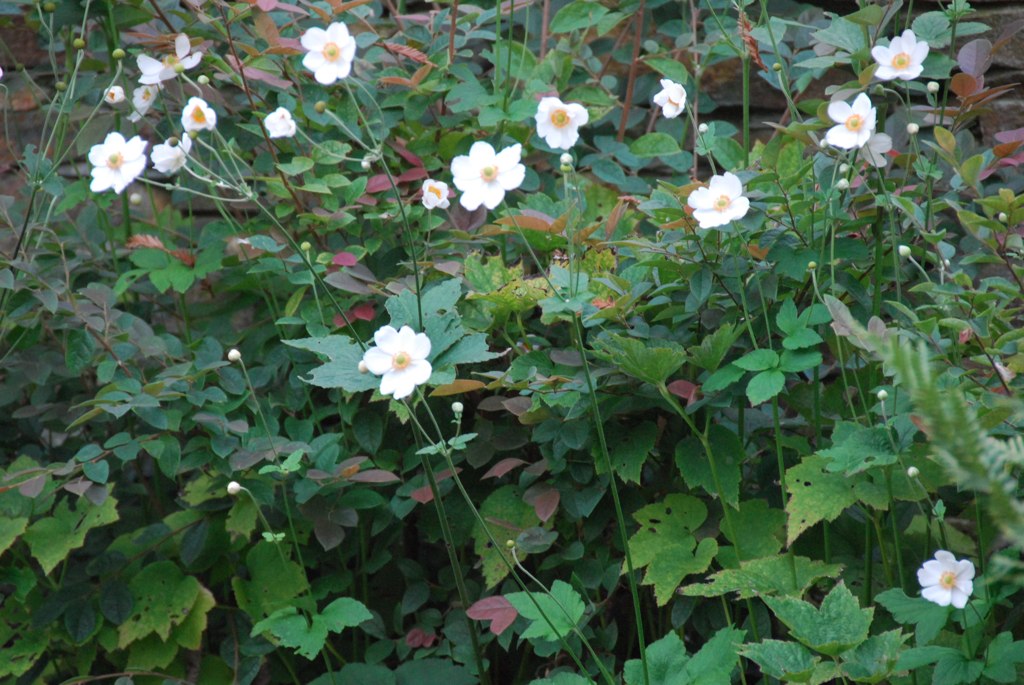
(377, 183)
(684, 389)
(975, 57)
(423, 495)
(266, 5)
(503, 467)
(544, 499)
(407, 51)
(344, 259)
(374, 476)
(498, 610)
(417, 637)
(964, 85)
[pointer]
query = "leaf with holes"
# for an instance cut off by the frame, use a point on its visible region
(767, 576)
(666, 545)
(162, 597)
(507, 515)
(817, 495)
(837, 625)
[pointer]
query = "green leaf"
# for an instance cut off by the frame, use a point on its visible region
(51, 539)
(874, 659)
(345, 612)
(765, 386)
(293, 630)
(928, 618)
(818, 495)
(801, 338)
(80, 620)
(1001, 658)
(789, 661)
(342, 371)
(580, 14)
(723, 378)
(275, 581)
(728, 455)
(428, 672)
(787, 319)
(837, 625)
(758, 528)
(652, 361)
(796, 361)
(758, 360)
(563, 678)
(116, 602)
(856, 449)
(713, 664)
(668, 663)
(161, 597)
(10, 530)
(654, 144)
(666, 545)
(713, 348)
(770, 575)
(504, 505)
(298, 165)
(630, 450)
(563, 608)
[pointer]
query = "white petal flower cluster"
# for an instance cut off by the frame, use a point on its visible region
(484, 175)
(671, 98)
(559, 123)
(157, 71)
(116, 162)
(169, 159)
(946, 581)
(329, 52)
(435, 194)
(854, 123)
(400, 358)
(902, 59)
(720, 203)
(280, 124)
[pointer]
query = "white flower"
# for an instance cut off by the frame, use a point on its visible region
(875, 150)
(114, 95)
(329, 52)
(720, 202)
(558, 123)
(143, 98)
(671, 98)
(945, 581)
(903, 59)
(854, 124)
(116, 162)
(435, 194)
(1, 72)
(198, 116)
(401, 358)
(280, 124)
(484, 175)
(169, 159)
(155, 71)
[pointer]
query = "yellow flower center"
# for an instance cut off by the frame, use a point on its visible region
(115, 160)
(332, 52)
(198, 115)
(901, 61)
(170, 60)
(947, 580)
(400, 361)
(854, 122)
(560, 118)
(722, 203)
(435, 190)
(489, 173)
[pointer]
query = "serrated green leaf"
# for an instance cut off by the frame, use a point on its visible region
(652, 361)
(722, 379)
(577, 15)
(759, 577)
(161, 598)
(713, 348)
(507, 506)
(345, 612)
(758, 529)
(874, 659)
(818, 495)
(758, 360)
(1001, 658)
(563, 609)
(856, 449)
(342, 371)
(837, 625)
(789, 661)
(728, 455)
(51, 539)
(928, 618)
(666, 545)
(293, 630)
(801, 338)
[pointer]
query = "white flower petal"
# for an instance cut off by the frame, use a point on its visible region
(938, 595)
(377, 361)
(314, 39)
(386, 338)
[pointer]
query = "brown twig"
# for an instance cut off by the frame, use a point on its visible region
(638, 20)
(452, 20)
(544, 17)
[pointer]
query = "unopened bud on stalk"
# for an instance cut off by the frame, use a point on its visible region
(882, 395)
(565, 159)
(457, 408)
(179, 68)
(365, 164)
(60, 86)
(823, 144)
(234, 488)
(78, 44)
(234, 356)
(844, 168)
(703, 128)
(913, 472)
(363, 368)
(933, 87)
(1004, 217)
(842, 184)
(904, 251)
(777, 67)
(811, 266)
(320, 107)
(913, 128)
(135, 198)
(118, 53)
(306, 246)
(203, 79)
(510, 543)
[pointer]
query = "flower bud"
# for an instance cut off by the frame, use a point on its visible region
(1004, 217)
(306, 246)
(362, 367)
(811, 266)
(913, 472)
(203, 79)
(904, 251)
(913, 128)
(320, 107)
(60, 86)
(823, 144)
(882, 395)
(844, 168)
(173, 141)
(135, 198)
(365, 164)
(703, 128)
(565, 159)
(565, 168)
(234, 356)
(179, 68)
(457, 408)
(933, 87)
(510, 543)
(49, 7)
(842, 184)
(234, 488)
(118, 53)
(777, 67)
(78, 44)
